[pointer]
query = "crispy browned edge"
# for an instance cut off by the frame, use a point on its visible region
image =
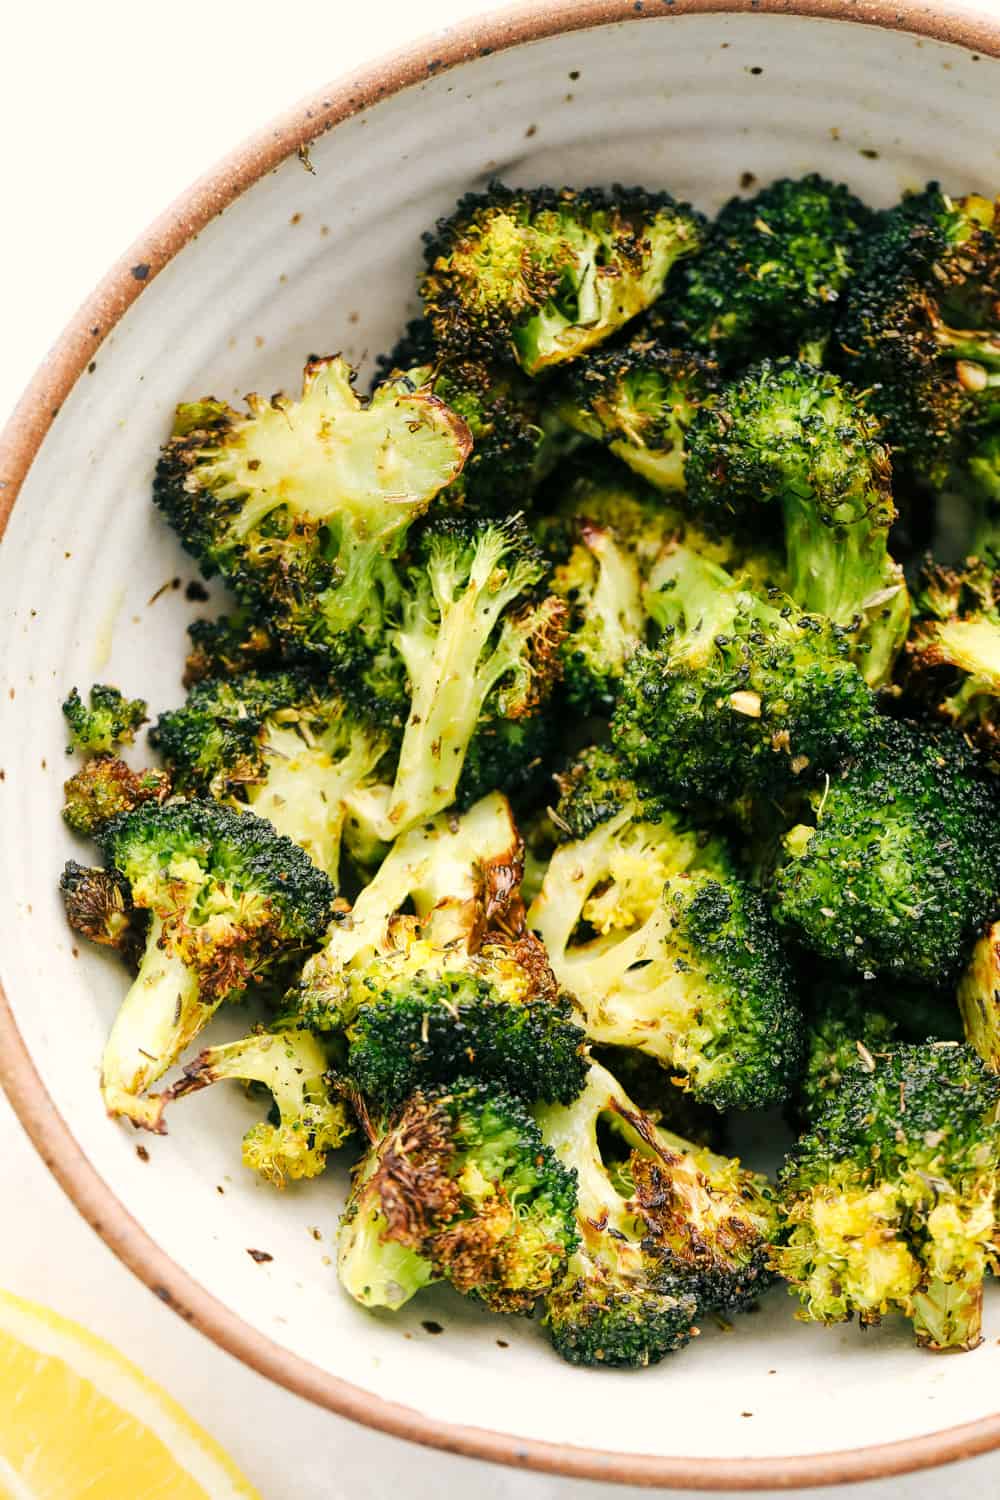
(39, 406)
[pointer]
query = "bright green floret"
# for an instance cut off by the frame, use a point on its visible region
(110, 720)
(890, 1202)
(665, 950)
(791, 435)
(772, 272)
(668, 1231)
(301, 505)
(458, 1186)
(899, 867)
(541, 276)
(228, 899)
(741, 692)
(292, 749)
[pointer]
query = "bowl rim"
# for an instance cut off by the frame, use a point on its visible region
(951, 21)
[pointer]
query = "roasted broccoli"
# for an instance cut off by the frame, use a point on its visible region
(301, 505)
(979, 998)
(601, 584)
(111, 720)
(792, 434)
(668, 1231)
(227, 899)
(845, 1030)
(901, 864)
(226, 647)
(921, 328)
(98, 905)
(541, 276)
(458, 1186)
(771, 273)
(293, 1066)
(105, 786)
(664, 949)
(954, 649)
(890, 1201)
(281, 743)
(742, 693)
(639, 401)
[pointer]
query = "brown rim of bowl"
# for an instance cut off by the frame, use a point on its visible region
(19, 443)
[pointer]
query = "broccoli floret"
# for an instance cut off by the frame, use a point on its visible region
(300, 505)
(640, 402)
(476, 643)
(889, 1202)
(110, 721)
(979, 998)
(228, 899)
(683, 963)
(921, 328)
(792, 434)
(541, 276)
(741, 693)
(844, 1032)
(600, 491)
(105, 786)
(99, 906)
(900, 867)
(433, 975)
(772, 272)
(507, 755)
(601, 584)
(460, 1187)
(227, 647)
(294, 1067)
(290, 748)
(668, 1231)
(954, 649)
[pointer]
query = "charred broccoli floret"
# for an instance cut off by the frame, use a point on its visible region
(300, 505)
(541, 276)
(234, 643)
(110, 720)
(741, 693)
(921, 327)
(797, 436)
(105, 786)
(772, 272)
(668, 1231)
(458, 1186)
(454, 985)
(639, 401)
(889, 1202)
(293, 1066)
(954, 649)
(227, 899)
(98, 905)
(477, 644)
(900, 866)
(665, 950)
(289, 747)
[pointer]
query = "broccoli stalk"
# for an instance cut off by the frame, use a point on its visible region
(741, 693)
(227, 898)
(796, 435)
(458, 1186)
(667, 1231)
(293, 1066)
(301, 505)
(470, 634)
(111, 720)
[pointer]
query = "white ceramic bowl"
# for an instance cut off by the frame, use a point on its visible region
(691, 94)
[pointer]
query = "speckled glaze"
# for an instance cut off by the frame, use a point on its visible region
(316, 250)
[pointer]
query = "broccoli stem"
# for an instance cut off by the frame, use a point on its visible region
(161, 1014)
(373, 1268)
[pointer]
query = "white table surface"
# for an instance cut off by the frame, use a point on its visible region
(107, 110)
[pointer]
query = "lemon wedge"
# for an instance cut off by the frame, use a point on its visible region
(80, 1422)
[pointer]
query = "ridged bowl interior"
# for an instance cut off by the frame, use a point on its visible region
(93, 586)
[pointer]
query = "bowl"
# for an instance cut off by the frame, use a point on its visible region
(309, 239)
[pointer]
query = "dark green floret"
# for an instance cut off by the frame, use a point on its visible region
(668, 1231)
(953, 654)
(889, 1203)
(899, 867)
(741, 692)
(845, 1031)
(459, 1186)
(540, 276)
(110, 720)
(234, 643)
(791, 435)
